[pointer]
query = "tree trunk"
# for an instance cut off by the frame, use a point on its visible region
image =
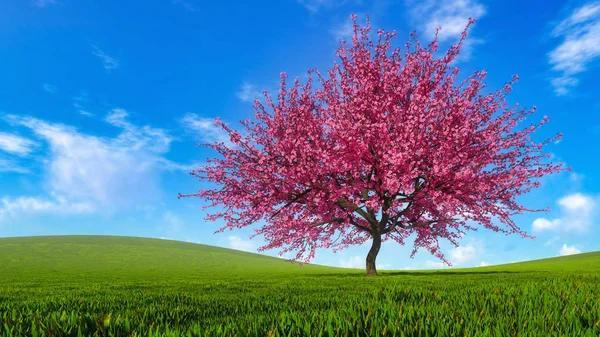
(371, 270)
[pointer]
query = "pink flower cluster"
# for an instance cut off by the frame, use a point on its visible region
(385, 144)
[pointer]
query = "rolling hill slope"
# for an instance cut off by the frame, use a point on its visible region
(74, 257)
(79, 256)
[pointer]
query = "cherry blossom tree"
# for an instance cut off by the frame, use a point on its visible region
(384, 147)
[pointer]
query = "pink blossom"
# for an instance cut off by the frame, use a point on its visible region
(387, 146)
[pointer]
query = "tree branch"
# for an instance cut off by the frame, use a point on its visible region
(342, 202)
(298, 197)
(425, 223)
(328, 221)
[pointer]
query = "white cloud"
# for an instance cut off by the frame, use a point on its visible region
(344, 30)
(235, 242)
(187, 5)
(451, 15)
(483, 264)
(360, 262)
(110, 173)
(43, 3)
(383, 266)
(15, 144)
(9, 165)
(568, 250)
(551, 241)
(463, 254)
(205, 129)
(458, 256)
(314, 6)
(577, 203)
(541, 224)
(356, 262)
(49, 88)
(182, 240)
(517, 261)
(78, 103)
(563, 84)
(29, 205)
(580, 46)
(577, 211)
(286, 256)
(171, 223)
(248, 92)
(435, 264)
(575, 177)
(109, 62)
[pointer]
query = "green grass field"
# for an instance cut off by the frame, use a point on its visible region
(126, 286)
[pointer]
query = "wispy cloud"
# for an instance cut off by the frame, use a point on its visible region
(49, 88)
(314, 6)
(109, 62)
(429, 264)
(10, 165)
(551, 241)
(110, 173)
(356, 262)
(190, 240)
(568, 250)
(79, 102)
(187, 5)
(575, 177)
(451, 15)
(249, 92)
(44, 3)
(463, 254)
(360, 262)
(15, 144)
(343, 29)
(235, 242)
(30, 205)
(459, 256)
(205, 129)
(577, 210)
(581, 45)
(171, 224)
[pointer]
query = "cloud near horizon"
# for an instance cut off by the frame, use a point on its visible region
(83, 173)
(568, 250)
(578, 212)
(237, 243)
(360, 262)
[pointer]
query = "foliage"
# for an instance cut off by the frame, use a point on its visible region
(387, 147)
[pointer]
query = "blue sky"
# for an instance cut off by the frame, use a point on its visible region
(102, 103)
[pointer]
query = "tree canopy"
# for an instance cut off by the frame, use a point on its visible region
(385, 145)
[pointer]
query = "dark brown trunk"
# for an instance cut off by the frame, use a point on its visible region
(371, 270)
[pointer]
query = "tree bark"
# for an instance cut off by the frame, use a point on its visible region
(371, 269)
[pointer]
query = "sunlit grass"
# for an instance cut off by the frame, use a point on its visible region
(69, 285)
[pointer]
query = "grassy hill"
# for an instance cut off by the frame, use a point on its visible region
(89, 256)
(577, 262)
(142, 258)
(129, 286)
